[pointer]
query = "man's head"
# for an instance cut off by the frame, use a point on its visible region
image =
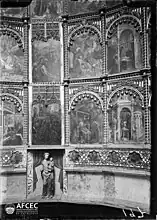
(46, 155)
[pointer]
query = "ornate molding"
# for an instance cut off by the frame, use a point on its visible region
(123, 19)
(83, 29)
(14, 158)
(125, 90)
(85, 95)
(124, 158)
(12, 98)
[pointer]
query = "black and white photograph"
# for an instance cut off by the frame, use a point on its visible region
(78, 109)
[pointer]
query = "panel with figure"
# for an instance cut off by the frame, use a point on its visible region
(126, 118)
(46, 61)
(46, 118)
(45, 174)
(12, 124)
(47, 9)
(11, 59)
(85, 57)
(86, 122)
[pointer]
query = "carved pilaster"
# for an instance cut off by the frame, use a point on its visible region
(146, 110)
(105, 119)
(104, 73)
(145, 66)
(26, 116)
(65, 182)
(26, 50)
(65, 48)
(66, 114)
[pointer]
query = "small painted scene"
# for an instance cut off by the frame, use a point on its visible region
(11, 59)
(45, 174)
(126, 120)
(85, 57)
(12, 12)
(84, 6)
(11, 124)
(124, 52)
(86, 123)
(46, 9)
(46, 121)
(46, 61)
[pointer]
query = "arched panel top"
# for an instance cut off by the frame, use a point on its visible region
(12, 33)
(81, 30)
(127, 88)
(85, 95)
(12, 98)
(129, 19)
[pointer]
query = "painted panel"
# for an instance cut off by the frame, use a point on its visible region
(46, 119)
(12, 12)
(85, 57)
(126, 118)
(46, 61)
(12, 121)
(82, 6)
(46, 8)
(113, 61)
(45, 173)
(86, 123)
(11, 59)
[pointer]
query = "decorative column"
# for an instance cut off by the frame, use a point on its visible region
(104, 75)
(145, 74)
(25, 82)
(66, 82)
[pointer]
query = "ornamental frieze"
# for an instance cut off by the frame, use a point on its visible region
(126, 158)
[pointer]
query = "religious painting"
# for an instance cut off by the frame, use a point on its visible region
(84, 6)
(45, 174)
(12, 12)
(47, 9)
(11, 59)
(12, 124)
(85, 57)
(127, 53)
(46, 121)
(86, 122)
(126, 120)
(46, 61)
(113, 58)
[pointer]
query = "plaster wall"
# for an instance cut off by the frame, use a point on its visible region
(12, 186)
(128, 190)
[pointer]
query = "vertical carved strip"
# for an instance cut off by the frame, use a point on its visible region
(66, 114)
(145, 66)
(104, 74)
(65, 48)
(66, 83)
(25, 80)
(65, 182)
(26, 117)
